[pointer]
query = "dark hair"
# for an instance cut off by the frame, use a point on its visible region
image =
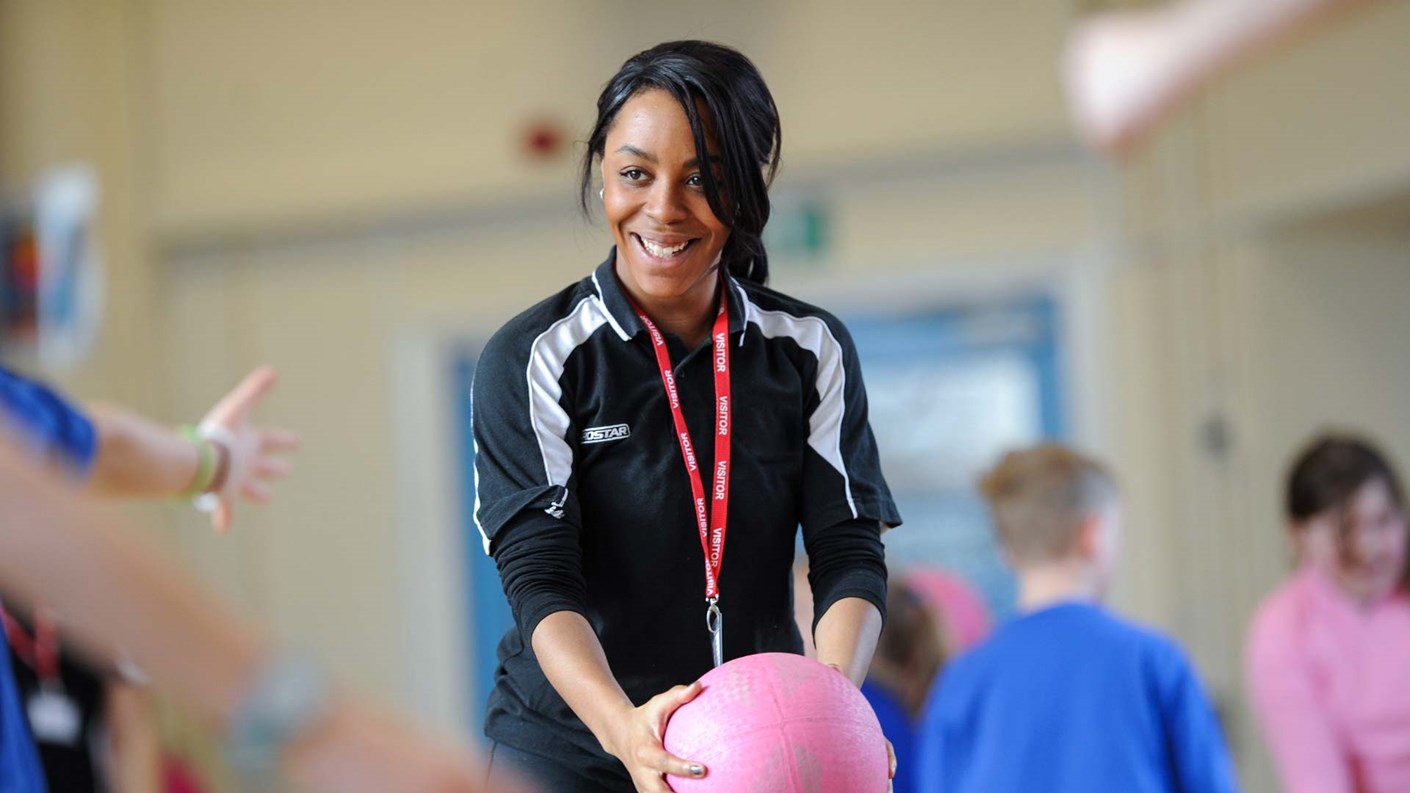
(911, 651)
(746, 128)
(1329, 471)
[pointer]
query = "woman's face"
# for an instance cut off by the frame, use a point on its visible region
(1362, 549)
(668, 239)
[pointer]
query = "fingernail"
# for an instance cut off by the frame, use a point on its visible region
(696, 770)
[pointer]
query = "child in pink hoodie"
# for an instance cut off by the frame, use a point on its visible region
(1328, 656)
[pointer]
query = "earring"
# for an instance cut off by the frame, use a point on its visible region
(602, 194)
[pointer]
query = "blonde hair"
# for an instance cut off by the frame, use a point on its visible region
(1041, 496)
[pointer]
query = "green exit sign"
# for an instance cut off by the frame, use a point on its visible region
(798, 231)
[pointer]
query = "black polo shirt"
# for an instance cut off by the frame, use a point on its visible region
(582, 496)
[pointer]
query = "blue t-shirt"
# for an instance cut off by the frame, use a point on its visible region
(52, 427)
(54, 430)
(20, 771)
(897, 727)
(1072, 699)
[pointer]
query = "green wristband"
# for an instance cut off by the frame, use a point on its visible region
(205, 463)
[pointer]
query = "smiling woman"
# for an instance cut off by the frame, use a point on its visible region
(669, 240)
(624, 423)
(730, 120)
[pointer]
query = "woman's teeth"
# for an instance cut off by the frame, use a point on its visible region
(661, 251)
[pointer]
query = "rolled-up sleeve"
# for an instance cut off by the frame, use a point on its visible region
(846, 500)
(846, 560)
(525, 505)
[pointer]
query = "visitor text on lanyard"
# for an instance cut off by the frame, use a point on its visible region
(712, 526)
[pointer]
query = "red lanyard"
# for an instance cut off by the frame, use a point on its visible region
(712, 529)
(40, 652)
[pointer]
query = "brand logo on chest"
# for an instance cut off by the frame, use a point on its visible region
(613, 432)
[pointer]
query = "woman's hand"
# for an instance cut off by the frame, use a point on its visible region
(891, 765)
(636, 740)
(573, 661)
(890, 750)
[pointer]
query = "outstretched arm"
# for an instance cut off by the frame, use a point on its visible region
(138, 457)
(1126, 71)
(113, 591)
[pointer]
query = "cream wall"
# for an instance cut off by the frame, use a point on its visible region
(270, 116)
(333, 188)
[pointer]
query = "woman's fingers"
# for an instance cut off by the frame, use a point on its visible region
(653, 756)
(666, 763)
(891, 764)
(667, 701)
(650, 762)
(679, 766)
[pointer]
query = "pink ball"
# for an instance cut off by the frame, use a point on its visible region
(778, 723)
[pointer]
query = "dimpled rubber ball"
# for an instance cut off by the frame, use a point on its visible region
(778, 723)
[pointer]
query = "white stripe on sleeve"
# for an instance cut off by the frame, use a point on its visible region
(547, 357)
(825, 425)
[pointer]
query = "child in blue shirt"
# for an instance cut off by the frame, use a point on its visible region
(1067, 697)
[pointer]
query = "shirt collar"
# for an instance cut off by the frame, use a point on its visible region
(1323, 589)
(609, 291)
(624, 317)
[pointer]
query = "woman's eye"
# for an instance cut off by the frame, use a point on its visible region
(634, 174)
(695, 180)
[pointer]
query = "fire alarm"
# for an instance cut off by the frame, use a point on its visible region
(544, 139)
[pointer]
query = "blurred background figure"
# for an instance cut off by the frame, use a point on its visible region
(960, 613)
(1127, 71)
(93, 725)
(97, 730)
(1067, 696)
(910, 653)
(279, 715)
(932, 616)
(1329, 650)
